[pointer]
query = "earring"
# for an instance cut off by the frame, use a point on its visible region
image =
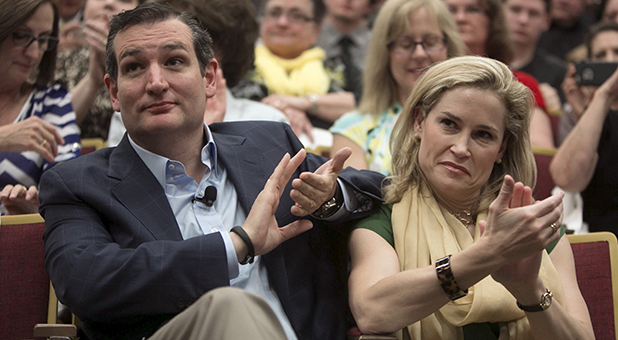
(416, 136)
(499, 161)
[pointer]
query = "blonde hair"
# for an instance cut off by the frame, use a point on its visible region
(476, 72)
(379, 86)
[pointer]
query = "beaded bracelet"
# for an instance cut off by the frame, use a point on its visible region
(447, 280)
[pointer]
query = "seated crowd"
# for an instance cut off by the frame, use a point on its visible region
(207, 207)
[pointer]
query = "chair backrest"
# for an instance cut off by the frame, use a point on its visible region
(24, 282)
(91, 144)
(544, 181)
(596, 256)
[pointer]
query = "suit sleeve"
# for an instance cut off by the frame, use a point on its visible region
(365, 184)
(106, 266)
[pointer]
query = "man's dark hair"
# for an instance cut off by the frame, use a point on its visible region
(595, 30)
(152, 13)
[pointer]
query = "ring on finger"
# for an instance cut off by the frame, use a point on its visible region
(43, 143)
(277, 103)
(554, 227)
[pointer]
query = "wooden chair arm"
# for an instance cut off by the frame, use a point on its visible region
(45, 330)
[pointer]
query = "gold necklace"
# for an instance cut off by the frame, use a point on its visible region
(466, 219)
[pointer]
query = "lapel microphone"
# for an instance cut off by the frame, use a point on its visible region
(210, 196)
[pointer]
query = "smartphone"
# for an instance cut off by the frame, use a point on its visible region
(593, 72)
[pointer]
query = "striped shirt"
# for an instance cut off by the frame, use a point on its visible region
(53, 105)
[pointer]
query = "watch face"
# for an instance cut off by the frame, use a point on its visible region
(546, 301)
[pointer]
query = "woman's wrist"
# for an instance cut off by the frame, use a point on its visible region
(312, 108)
(527, 295)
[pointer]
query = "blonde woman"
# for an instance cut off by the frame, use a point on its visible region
(408, 37)
(458, 251)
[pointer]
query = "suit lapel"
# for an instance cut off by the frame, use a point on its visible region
(244, 166)
(139, 191)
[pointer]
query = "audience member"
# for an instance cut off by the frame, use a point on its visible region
(139, 224)
(233, 26)
(37, 123)
(483, 28)
(82, 69)
(408, 37)
(570, 21)
(574, 107)
(459, 251)
(610, 11)
(290, 73)
(345, 35)
(587, 159)
(527, 20)
(71, 14)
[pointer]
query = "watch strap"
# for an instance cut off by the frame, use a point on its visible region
(546, 300)
(447, 279)
(245, 238)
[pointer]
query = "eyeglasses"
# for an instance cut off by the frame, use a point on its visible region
(407, 47)
(292, 16)
(24, 39)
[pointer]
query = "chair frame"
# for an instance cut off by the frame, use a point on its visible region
(610, 238)
(96, 143)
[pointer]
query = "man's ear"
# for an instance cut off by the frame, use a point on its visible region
(210, 77)
(113, 92)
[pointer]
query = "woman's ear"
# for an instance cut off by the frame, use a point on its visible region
(502, 150)
(418, 120)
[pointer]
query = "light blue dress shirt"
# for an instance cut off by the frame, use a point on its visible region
(195, 218)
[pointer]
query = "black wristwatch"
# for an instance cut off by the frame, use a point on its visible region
(546, 299)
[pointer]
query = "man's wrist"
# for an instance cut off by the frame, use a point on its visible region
(249, 255)
(331, 206)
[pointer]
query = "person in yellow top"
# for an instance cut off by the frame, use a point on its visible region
(291, 73)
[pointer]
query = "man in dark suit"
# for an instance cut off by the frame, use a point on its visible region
(134, 234)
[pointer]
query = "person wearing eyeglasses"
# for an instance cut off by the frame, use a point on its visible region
(37, 122)
(408, 37)
(290, 73)
(484, 29)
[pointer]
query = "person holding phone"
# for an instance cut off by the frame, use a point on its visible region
(587, 159)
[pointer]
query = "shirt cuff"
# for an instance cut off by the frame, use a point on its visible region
(230, 251)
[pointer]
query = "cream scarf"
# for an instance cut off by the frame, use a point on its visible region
(425, 232)
(300, 76)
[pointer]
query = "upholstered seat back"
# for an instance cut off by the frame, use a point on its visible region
(24, 282)
(594, 266)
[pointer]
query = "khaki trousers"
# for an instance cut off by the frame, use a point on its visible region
(224, 313)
